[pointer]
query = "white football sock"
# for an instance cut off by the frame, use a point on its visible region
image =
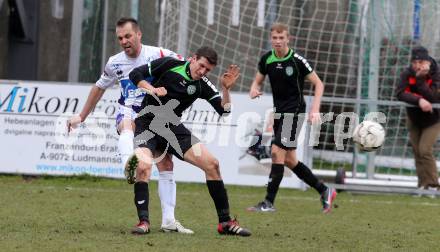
(167, 195)
(125, 145)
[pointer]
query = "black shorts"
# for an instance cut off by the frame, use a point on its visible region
(286, 130)
(172, 139)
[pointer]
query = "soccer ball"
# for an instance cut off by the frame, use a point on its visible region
(369, 136)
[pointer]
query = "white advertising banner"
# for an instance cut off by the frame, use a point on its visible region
(34, 139)
(33, 131)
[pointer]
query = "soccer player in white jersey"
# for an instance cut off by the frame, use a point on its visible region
(118, 67)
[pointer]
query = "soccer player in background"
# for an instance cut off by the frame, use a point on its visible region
(160, 134)
(287, 71)
(118, 67)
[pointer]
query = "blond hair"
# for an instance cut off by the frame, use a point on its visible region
(279, 27)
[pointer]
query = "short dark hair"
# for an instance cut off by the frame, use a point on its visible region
(123, 20)
(209, 53)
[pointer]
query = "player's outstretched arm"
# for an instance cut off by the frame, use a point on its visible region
(228, 80)
(95, 95)
(256, 86)
(314, 79)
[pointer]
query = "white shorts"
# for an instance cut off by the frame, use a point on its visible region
(124, 112)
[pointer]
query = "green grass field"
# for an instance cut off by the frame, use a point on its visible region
(89, 214)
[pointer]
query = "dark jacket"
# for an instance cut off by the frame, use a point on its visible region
(412, 89)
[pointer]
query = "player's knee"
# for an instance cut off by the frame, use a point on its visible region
(142, 170)
(291, 163)
(277, 157)
(165, 165)
(213, 166)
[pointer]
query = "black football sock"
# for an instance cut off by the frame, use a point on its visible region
(305, 174)
(141, 200)
(275, 177)
(218, 193)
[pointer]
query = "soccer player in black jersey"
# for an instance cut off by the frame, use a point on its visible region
(287, 71)
(160, 134)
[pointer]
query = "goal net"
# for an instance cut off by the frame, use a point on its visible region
(357, 47)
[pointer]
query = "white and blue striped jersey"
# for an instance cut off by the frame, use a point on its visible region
(120, 65)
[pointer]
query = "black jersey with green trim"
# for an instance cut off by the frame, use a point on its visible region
(286, 77)
(174, 75)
